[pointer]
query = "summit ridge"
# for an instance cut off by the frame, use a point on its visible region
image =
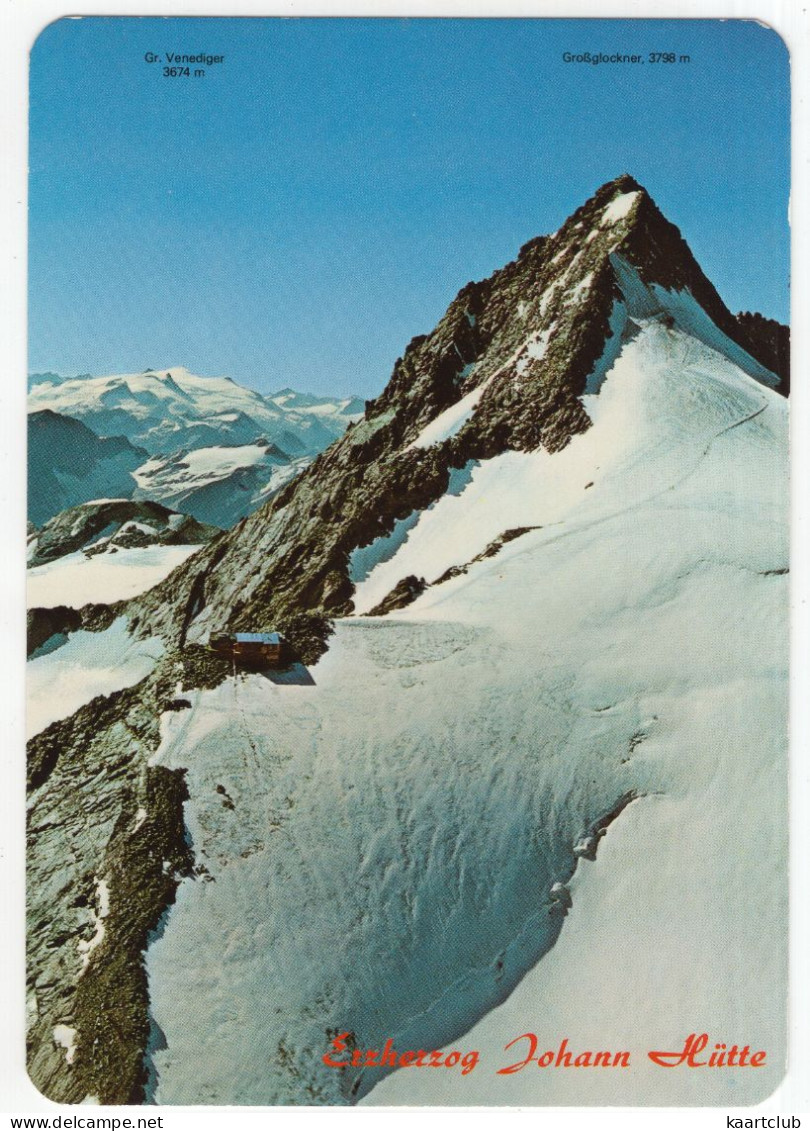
(505, 369)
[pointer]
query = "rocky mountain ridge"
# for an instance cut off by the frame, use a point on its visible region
(203, 445)
(504, 369)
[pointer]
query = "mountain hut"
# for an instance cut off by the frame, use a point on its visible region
(250, 649)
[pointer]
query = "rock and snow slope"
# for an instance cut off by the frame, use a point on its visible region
(107, 550)
(389, 868)
(105, 526)
(639, 421)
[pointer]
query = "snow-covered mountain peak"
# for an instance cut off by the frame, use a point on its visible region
(584, 626)
(620, 207)
(101, 526)
(516, 365)
(545, 329)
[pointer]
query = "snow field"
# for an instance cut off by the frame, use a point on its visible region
(98, 915)
(449, 422)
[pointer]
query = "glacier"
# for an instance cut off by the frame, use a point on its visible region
(400, 829)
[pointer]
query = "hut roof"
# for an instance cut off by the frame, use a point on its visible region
(257, 638)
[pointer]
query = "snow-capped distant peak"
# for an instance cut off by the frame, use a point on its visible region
(166, 410)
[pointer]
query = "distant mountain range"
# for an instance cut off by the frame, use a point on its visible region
(69, 464)
(136, 435)
(167, 410)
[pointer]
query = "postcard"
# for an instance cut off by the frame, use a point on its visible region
(408, 562)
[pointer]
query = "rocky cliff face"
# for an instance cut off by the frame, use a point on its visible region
(169, 410)
(768, 341)
(504, 368)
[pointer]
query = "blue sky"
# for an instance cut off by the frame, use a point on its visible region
(299, 213)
